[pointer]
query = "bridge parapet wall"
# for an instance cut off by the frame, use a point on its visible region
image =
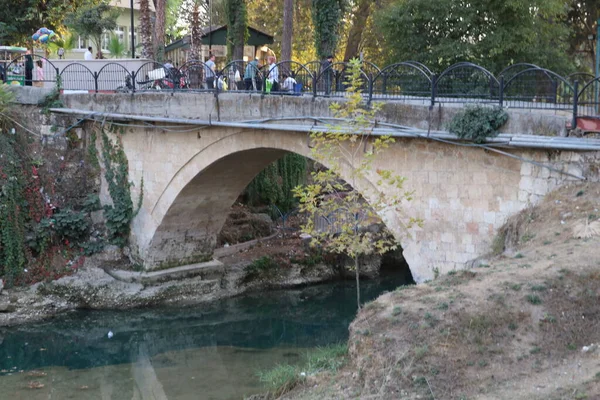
(247, 106)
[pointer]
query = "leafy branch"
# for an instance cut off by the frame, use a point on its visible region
(349, 150)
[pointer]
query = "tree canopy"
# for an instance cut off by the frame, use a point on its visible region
(22, 19)
(581, 18)
(493, 34)
(93, 20)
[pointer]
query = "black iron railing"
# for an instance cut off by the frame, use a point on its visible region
(525, 86)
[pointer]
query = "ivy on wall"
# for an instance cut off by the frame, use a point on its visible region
(478, 123)
(274, 184)
(120, 213)
(327, 16)
(12, 210)
(237, 31)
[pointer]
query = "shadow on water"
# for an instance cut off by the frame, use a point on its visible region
(304, 317)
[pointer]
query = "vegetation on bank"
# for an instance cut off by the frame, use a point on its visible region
(274, 185)
(285, 377)
(47, 198)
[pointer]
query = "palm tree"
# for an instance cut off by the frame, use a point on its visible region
(159, 28)
(66, 42)
(116, 47)
(146, 30)
(195, 31)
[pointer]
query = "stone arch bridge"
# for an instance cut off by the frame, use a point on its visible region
(194, 167)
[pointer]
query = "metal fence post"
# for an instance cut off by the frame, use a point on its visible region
(314, 86)
(575, 104)
(501, 93)
(132, 82)
(58, 80)
(96, 81)
(433, 88)
(370, 90)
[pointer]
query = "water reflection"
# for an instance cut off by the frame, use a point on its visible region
(212, 351)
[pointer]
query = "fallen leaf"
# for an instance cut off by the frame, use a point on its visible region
(585, 230)
(36, 373)
(35, 385)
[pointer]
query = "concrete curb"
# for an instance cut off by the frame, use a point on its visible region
(213, 269)
(236, 248)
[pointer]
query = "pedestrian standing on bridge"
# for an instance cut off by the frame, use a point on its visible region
(327, 71)
(28, 68)
(209, 72)
(273, 74)
(250, 75)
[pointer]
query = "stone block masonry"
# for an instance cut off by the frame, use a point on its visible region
(463, 194)
(192, 177)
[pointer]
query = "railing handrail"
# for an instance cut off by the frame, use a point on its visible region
(394, 82)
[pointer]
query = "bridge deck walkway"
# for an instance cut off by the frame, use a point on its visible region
(503, 140)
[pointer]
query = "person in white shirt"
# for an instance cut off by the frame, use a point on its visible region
(88, 54)
(209, 72)
(273, 73)
(288, 83)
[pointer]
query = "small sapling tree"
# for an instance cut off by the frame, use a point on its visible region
(349, 149)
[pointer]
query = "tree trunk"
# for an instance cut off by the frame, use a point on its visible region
(238, 48)
(288, 27)
(237, 21)
(326, 16)
(146, 30)
(357, 273)
(196, 34)
(159, 29)
(359, 21)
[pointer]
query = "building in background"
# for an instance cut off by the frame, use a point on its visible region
(123, 32)
(216, 39)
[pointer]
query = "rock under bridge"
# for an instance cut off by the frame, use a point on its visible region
(194, 167)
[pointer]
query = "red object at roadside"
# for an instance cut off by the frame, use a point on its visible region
(588, 124)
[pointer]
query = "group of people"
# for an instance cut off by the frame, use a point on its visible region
(29, 67)
(251, 80)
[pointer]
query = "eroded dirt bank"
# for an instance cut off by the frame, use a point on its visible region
(525, 324)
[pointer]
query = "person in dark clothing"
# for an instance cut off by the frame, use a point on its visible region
(28, 68)
(327, 68)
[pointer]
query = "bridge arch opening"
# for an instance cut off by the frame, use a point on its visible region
(189, 228)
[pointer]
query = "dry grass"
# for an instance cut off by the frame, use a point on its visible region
(512, 330)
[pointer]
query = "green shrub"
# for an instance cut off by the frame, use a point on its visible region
(259, 269)
(71, 225)
(478, 123)
(92, 203)
(273, 185)
(329, 358)
(89, 248)
(281, 379)
(285, 377)
(533, 299)
(52, 100)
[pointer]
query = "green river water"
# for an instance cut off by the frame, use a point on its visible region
(205, 352)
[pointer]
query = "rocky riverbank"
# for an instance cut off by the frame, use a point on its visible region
(101, 283)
